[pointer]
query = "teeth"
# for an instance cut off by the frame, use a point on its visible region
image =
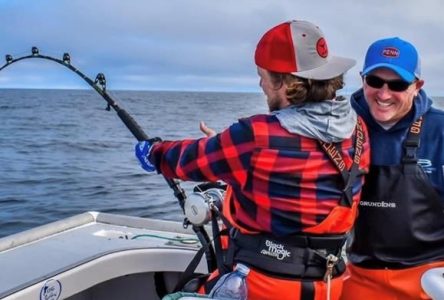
(383, 104)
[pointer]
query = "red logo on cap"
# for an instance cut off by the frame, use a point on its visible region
(390, 52)
(321, 48)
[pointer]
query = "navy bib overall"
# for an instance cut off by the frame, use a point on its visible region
(401, 219)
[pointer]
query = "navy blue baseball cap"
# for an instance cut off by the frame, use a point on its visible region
(395, 54)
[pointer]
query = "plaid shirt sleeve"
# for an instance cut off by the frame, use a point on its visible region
(225, 156)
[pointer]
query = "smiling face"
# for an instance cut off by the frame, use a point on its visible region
(387, 106)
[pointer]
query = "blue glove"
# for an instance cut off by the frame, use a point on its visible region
(143, 150)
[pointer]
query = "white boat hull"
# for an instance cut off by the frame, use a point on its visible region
(95, 256)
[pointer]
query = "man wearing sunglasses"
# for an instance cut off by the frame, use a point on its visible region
(399, 233)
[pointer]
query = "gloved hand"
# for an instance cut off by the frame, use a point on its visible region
(143, 150)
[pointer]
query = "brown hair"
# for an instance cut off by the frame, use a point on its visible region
(300, 90)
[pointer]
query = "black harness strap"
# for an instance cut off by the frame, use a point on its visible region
(307, 290)
(334, 153)
(297, 256)
(188, 274)
(412, 142)
(222, 266)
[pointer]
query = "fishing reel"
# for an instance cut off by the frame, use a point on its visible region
(205, 200)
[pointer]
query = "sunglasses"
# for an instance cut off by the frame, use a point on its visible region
(396, 85)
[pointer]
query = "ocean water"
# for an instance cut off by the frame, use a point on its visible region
(62, 153)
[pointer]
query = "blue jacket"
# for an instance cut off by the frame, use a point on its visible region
(386, 145)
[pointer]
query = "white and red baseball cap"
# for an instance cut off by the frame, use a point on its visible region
(299, 48)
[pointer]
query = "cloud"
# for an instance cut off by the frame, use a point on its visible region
(202, 44)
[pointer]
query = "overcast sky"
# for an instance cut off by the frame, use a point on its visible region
(203, 45)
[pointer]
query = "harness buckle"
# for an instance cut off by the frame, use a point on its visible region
(332, 260)
(410, 155)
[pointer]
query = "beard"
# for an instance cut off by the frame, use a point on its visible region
(274, 104)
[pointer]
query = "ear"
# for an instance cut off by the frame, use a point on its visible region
(278, 82)
(362, 77)
(418, 84)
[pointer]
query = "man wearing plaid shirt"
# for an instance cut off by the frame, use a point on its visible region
(294, 175)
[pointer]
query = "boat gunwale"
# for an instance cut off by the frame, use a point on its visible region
(50, 229)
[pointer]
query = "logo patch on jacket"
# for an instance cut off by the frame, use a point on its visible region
(275, 250)
(426, 165)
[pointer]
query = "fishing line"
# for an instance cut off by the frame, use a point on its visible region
(179, 239)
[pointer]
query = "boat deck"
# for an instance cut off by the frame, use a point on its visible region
(90, 248)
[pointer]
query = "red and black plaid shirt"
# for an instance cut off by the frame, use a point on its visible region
(282, 183)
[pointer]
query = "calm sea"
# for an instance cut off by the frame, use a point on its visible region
(62, 153)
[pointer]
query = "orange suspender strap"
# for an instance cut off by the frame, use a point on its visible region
(334, 153)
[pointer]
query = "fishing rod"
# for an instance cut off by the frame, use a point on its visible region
(99, 85)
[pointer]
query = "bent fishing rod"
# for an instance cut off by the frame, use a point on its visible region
(99, 85)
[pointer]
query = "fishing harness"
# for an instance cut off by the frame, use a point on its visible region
(302, 256)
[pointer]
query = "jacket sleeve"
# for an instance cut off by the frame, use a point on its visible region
(225, 156)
